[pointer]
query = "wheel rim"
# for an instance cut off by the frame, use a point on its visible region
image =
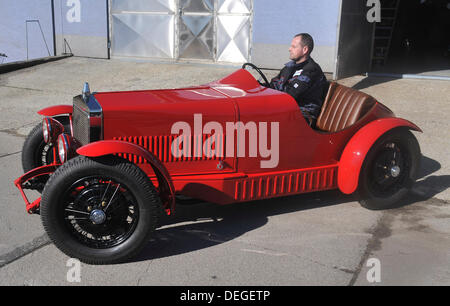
(42, 156)
(47, 156)
(390, 170)
(99, 212)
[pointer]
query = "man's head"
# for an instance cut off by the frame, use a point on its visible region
(301, 47)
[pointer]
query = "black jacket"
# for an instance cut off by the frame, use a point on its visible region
(306, 83)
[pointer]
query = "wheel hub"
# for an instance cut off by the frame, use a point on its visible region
(97, 216)
(395, 171)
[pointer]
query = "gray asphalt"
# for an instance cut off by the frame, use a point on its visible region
(315, 239)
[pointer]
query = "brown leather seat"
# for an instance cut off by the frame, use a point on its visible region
(343, 106)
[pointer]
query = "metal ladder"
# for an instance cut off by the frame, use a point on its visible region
(383, 31)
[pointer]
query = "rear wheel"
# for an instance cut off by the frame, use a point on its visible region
(101, 211)
(389, 170)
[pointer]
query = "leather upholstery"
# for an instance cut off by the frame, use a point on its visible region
(343, 106)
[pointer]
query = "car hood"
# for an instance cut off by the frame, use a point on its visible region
(154, 112)
(233, 86)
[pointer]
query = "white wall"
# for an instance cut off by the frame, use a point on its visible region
(276, 22)
(87, 37)
(83, 23)
(13, 14)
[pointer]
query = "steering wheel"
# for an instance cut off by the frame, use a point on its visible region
(266, 83)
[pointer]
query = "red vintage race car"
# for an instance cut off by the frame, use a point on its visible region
(110, 164)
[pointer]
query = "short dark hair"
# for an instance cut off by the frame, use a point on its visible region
(307, 40)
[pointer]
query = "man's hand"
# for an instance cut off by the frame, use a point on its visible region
(264, 84)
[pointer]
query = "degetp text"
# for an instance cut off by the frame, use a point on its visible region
(228, 295)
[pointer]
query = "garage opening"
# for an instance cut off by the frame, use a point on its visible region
(413, 37)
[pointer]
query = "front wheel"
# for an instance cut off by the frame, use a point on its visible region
(101, 211)
(37, 153)
(389, 170)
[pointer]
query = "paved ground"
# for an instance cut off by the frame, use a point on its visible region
(316, 239)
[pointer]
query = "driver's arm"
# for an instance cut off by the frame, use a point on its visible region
(277, 82)
(299, 85)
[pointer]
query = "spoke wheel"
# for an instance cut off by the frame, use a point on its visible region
(101, 211)
(44, 154)
(389, 170)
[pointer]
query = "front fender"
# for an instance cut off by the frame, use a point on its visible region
(56, 110)
(107, 147)
(359, 145)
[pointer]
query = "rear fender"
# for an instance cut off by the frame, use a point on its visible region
(355, 151)
(107, 147)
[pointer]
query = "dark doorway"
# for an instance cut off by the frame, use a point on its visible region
(355, 39)
(420, 38)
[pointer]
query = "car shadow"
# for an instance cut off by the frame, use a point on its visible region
(425, 189)
(198, 226)
(427, 167)
(371, 81)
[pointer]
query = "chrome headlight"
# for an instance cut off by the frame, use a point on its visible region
(67, 147)
(63, 148)
(46, 130)
(51, 129)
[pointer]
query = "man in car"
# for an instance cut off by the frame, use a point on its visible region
(303, 78)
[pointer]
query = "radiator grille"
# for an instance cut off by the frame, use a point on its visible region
(81, 127)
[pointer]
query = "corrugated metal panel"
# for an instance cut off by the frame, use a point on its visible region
(144, 5)
(197, 6)
(213, 30)
(196, 37)
(235, 6)
(143, 35)
(233, 38)
(143, 28)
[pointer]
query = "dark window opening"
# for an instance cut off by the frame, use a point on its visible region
(413, 37)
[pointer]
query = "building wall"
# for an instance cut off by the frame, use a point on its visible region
(86, 35)
(84, 25)
(274, 25)
(13, 40)
(277, 22)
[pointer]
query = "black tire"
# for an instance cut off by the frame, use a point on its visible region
(389, 170)
(77, 190)
(36, 153)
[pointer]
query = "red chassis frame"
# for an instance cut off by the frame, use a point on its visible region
(137, 126)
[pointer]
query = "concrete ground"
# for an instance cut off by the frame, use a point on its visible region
(315, 239)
